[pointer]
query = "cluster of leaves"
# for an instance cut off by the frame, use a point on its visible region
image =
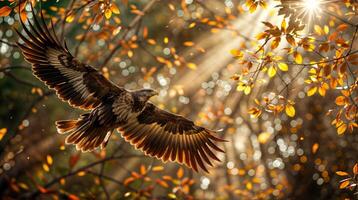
(327, 54)
(351, 182)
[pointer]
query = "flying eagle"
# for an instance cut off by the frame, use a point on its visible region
(156, 132)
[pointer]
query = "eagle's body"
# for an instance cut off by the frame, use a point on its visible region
(156, 132)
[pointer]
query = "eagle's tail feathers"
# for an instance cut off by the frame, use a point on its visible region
(85, 133)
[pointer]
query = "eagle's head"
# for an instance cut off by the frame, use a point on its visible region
(144, 94)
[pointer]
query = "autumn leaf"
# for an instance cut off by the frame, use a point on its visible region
(3, 131)
(341, 129)
(315, 147)
(355, 169)
(180, 172)
(115, 9)
(264, 137)
(108, 13)
(271, 71)
(341, 100)
(5, 11)
(344, 184)
(191, 66)
(188, 43)
(311, 91)
(290, 110)
(342, 173)
(283, 67)
(298, 58)
(49, 159)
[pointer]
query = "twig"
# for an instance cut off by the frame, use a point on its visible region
(84, 168)
(8, 43)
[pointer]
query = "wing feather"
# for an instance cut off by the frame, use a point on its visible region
(79, 84)
(167, 136)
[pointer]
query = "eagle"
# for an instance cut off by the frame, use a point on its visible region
(156, 132)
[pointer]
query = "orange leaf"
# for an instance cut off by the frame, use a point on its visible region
(188, 43)
(355, 169)
(315, 147)
(344, 184)
(180, 172)
(2, 133)
(341, 100)
(128, 181)
(5, 11)
(342, 129)
(342, 173)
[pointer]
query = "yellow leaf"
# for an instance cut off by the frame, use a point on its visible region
(344, 184)
(247, 90)
(70, 18)
(312, 91)
(283, 67)
(192, 66)
(318, 30)
(2, 133)
(341, 129)
(249, 185)
(172, 196)
(342, 173)
(271, 71)
(157, 168)
(298, 58)
(290, 110)
(315, 147)
(46, 167)
(108, 13)
(264, 137)
(49, 159)
(192, 25)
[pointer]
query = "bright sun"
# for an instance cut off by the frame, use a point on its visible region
(311, 5)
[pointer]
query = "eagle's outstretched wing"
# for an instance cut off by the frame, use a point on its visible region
(79, 84)
(169, 136)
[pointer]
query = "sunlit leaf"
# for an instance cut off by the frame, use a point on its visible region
(298, 58)
(3, 131)
(115, 9)
(108, 13)
(180, 172)
(264, 137)
(5, 11)
(49, 159)
(355, 169)
(311, 91)
(342, 173)
(341, 129)
(290, 110)
(46, 167)
(192, 66)
(315, 147)
(283, 67)
(271, 71)
(344, 184)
